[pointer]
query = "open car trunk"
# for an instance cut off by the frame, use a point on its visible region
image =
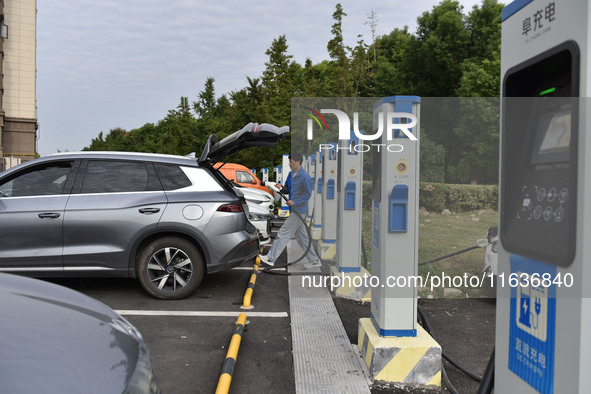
(253, 134)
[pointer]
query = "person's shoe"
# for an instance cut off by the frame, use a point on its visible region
(265, 259)
(313, 264)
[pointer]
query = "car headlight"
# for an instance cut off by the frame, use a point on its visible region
(259, 216)
(255, 201)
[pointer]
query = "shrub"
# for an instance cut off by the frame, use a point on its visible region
(438, 196)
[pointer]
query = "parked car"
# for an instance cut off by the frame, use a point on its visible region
(56, 340)
(261, 218)
(257, 197)
(166, 220)
(242, 175)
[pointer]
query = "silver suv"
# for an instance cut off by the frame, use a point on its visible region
(167, 220)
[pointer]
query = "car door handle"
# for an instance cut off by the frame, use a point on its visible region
(149, 211)
(49, 215)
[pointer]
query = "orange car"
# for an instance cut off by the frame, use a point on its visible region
(241, 175)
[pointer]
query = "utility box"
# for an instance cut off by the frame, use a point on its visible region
(544, 261)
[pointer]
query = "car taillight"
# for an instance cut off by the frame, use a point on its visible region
(231, 208)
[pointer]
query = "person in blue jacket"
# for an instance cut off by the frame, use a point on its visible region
(300, 187)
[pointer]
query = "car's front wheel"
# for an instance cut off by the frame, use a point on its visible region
(170, 268)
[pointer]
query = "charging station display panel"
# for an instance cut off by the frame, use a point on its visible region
(539, 156)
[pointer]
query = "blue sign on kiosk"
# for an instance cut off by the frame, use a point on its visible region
(532, 330)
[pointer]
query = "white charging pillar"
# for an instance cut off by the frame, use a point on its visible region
(265, 174)
(395, 204)
(329, 202)
(400, 351)
(285, 169)
(317, 195)
(349, 221)
(311, 160)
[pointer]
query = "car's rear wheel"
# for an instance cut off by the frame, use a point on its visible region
(170, 268)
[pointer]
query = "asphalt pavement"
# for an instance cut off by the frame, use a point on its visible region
(188, 339)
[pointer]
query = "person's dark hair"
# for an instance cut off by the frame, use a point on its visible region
(297, 156)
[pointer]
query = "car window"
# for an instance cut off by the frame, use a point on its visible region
(172, 177)
(244, 177)
(43, 180)
(113, 176)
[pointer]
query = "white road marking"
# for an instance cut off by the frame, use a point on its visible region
(199, 313)
(261, 267)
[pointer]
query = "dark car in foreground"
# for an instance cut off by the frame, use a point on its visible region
(166, 220)
(56, 340)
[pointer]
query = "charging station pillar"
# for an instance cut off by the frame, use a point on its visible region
(317, 195)
(329, 203)
(395, 348)
(265, 174)
(543, 323)
(284, 172)
(349, 222)
(312, 172)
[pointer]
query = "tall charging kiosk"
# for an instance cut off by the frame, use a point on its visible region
(317, 195)
(349, 221)
(394, 347)
(278, 175)
(544, 264)
(329, 202)
(312, 172)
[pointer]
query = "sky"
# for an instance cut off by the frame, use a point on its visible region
(124, 63)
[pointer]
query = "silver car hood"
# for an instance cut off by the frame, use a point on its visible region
(54, 339)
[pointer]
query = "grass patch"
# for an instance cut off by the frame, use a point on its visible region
(441, 234)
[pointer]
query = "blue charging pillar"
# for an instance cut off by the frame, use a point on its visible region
(392, 331)
(329, 202)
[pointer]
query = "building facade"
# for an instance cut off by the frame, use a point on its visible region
(18, 72)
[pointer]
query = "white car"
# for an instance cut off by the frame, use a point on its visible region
(256, 197)
(260, 217)
(491, 258)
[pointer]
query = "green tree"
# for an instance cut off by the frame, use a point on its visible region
(389, 76)
(205, 105)
(340, 80)
(433, 63)
(280, 82)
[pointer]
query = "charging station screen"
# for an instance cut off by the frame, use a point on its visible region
(553, 138)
